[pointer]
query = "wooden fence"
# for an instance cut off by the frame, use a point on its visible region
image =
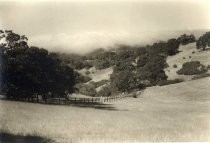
(76, 100)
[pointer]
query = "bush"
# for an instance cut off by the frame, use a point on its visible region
(186, 39)
(81, 78)
(86, 79)
(87, 72)
(167, 82)
(193, 52)
(189, 56)
(203, 41)
(105, 91)
(183, 57)
(192, 68)
(86, 89)
(175, 66)
(135, 95)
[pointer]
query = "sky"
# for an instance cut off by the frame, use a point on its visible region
(81, 26)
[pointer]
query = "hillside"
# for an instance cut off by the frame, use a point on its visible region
(187, 53)
(178, 112)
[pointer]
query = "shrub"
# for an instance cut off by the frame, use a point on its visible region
(193, 52)
(105, 91)
(186, 39)
(203, 41)
(192, 68)
(175, 66)
(183, 57)
(189, 56)
(135, 95)
(86, 79)
(167, 82)
(86, 89)
(87, 72)
(172, 46)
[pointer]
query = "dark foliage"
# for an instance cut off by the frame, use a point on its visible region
(79, 78)
(192, 68)
(125, 81)
(105, 91)
(75, 61)
(203, 41)
(203, 75)
(186, 39)
(86, 89)
(30, 71)
(172, 47)
(167, 82)
(153, 71)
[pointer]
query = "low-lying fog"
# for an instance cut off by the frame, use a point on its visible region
(81, 26)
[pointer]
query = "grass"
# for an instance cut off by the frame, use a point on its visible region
(178, 112)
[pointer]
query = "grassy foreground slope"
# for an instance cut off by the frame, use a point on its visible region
(178, 112)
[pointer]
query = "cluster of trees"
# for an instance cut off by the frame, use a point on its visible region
(75, 61)
(192, 68)
(203, 41)
(186, 39)
(30, 71)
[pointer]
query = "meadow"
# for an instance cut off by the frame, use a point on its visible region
(178, 112)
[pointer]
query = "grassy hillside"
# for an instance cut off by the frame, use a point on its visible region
(187, 53)
(178, 112)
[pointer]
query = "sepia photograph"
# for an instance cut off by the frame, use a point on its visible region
(104, 71)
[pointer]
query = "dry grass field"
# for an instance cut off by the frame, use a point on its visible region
(179, 112)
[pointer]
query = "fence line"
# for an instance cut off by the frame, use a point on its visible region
(75, 100)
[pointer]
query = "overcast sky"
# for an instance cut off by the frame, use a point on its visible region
(83, 25)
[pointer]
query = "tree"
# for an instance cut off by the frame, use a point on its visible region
(186, 39)
(203, 41)
(29, 71)
(192, 68)
(153, 70)
(124, 81)
(172, 47)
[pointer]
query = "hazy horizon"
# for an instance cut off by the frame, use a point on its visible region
(82, 26)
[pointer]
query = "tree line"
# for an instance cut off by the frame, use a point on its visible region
(30, 71)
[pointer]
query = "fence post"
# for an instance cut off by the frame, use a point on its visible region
(37, 98)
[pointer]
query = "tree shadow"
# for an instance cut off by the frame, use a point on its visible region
(100, 106)
(10, 138)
